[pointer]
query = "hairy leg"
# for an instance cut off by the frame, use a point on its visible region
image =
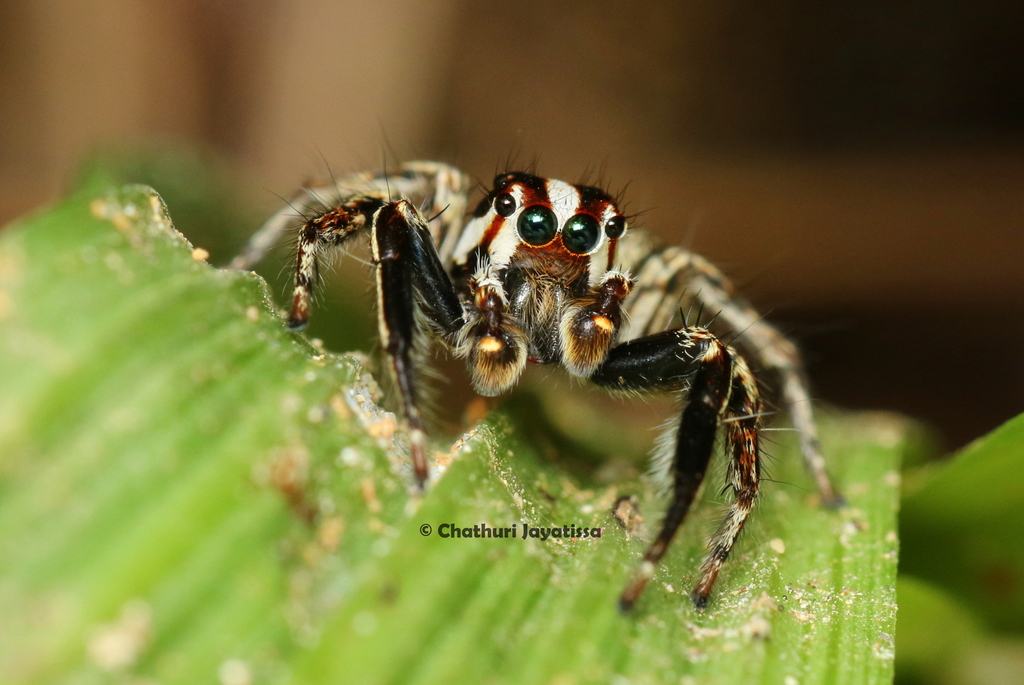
(719, 391)
(671, 276)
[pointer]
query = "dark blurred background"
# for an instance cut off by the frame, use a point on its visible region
(856, 167)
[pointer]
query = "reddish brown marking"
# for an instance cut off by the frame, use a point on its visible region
(299, 311)
(632, 593)
(707, 582)
(492, 232)
(552, 259)
(535, 191)
(609, 297)
(593, 203)
(612, 244)
(492, 316)
(553, 250)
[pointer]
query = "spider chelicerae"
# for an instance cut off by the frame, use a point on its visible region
(549, 272)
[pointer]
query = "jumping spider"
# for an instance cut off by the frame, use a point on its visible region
(543, 271)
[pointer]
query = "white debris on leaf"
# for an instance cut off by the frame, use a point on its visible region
(884, 647)
(360, 398)
(138, 212)
(757, 627)
(378, 422)
(330, 531)
(118, 645)
(854, 522)
(234, 672)
(352, 457)
(369, 491)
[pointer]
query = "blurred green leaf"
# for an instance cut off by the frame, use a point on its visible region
(935, 635)
(189, 494)
(219, 208)
(962, 526)
(209, 199)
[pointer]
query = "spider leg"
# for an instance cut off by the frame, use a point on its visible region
(410, 274)
(589, 324)
(307, 203)
(446, 202)
(744, 475)
(411, 278)
(325, 230)
(721, 389)
(493, 345)
(442, 188)
(776, 352)
(673, 274)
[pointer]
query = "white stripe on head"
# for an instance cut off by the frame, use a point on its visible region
(475, 229)
(505, 243)
(564, 198)
(599, 258)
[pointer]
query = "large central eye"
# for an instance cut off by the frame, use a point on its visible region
(537, 225)
(581, 234)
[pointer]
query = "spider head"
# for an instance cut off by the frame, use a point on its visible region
(551, 216)
(549, 228)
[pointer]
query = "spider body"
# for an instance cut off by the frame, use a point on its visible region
(546, 271)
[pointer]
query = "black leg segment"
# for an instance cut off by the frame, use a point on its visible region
(407, 264)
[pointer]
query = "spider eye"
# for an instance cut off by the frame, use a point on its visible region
(615, 227)
(537, 225)
(581, 234)
(505, 205)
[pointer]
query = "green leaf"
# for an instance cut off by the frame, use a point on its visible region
(190, 493)
(936, 634)
(963, 526)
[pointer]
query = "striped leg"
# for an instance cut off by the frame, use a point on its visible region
(741, 429)
(326, 230)
(309, 206)
(670, 277)
(721, 389)
(440, 189)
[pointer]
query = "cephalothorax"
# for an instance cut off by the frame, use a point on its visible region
(546, 271)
